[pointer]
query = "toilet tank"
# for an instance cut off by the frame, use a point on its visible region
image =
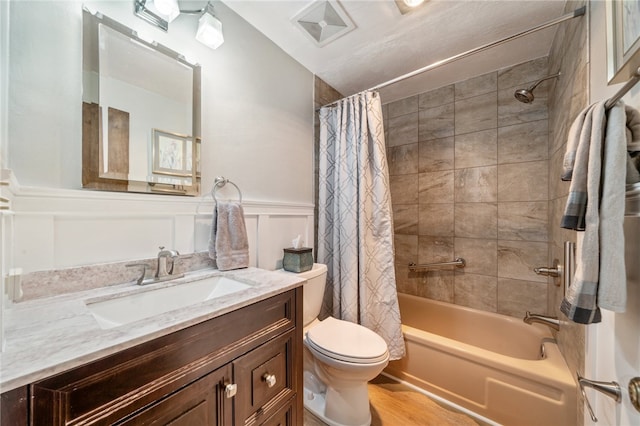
(313, 290)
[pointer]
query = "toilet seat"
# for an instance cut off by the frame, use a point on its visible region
(347, 341)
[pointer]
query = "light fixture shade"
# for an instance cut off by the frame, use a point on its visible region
(169, 9)
(210, 31)
(413, 3)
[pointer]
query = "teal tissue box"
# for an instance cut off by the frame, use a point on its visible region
(297, 260)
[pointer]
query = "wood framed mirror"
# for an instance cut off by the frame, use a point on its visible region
(140, 100)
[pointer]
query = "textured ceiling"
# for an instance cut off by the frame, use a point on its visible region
(386, 44)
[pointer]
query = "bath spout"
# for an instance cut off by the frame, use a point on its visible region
(550, 322)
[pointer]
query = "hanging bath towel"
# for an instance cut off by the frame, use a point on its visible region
(596, 163)
(228, 244)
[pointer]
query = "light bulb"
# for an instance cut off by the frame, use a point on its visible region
(168, 8)
(210, 31)
(413, 3)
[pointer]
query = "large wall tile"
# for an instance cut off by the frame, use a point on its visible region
(435, 155)
(437, 285)
(405, 219)
(523, 221)
(511, 111)
(436, 97)
(516, 259)
(403, 106)
(557, 186)
(476, 220)
(403, 159)
(478, 113)
(435, 219)
(436, 187)
(476, 291)
(523, 181)
(406, 247)
(475, 86)
(436, 122)
(477, 184)
(403, 129)
(435, 249)
(476, 149)
(524, 73)
(480, 255)
(516, 297)
(523, 142)
(406, 282)
(404, 189)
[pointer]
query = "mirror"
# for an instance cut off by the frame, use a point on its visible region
(140, 113)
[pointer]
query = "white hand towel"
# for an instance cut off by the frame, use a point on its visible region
(228, 244)
(581, 213)
(612, 285)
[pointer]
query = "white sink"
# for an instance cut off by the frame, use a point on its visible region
(127, 309)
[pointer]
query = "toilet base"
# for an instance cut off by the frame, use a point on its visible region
(316, 404)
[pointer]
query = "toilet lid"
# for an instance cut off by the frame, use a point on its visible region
(346, 341)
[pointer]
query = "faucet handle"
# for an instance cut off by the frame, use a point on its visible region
(140, 279)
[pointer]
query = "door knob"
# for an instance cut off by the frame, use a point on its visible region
(634, 392)
(270, 379)
(230, 390)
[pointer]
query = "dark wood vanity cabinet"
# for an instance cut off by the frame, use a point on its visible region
(242, 368)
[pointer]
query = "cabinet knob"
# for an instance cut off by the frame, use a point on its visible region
(230, 390)
(270, 379)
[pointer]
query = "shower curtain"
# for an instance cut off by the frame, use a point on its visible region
(355, 226)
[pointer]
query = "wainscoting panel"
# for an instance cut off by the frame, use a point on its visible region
(56, 229)
(85, 239)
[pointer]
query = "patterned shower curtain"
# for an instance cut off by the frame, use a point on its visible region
(355, 226)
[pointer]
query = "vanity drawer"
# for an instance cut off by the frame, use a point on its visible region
(266, 379)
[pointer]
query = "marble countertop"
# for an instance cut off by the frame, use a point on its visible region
(48, 336)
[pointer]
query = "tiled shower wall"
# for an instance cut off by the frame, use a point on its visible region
(570, 94)
(469, 178)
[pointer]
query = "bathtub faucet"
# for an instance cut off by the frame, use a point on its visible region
(550, 322)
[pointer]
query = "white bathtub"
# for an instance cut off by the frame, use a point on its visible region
(487, 363)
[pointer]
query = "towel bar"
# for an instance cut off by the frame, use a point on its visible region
(458, 263)
(219, 183)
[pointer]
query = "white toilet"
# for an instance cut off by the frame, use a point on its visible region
(340, 357)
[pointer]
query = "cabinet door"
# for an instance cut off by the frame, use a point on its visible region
(202, 403)
(286, 416)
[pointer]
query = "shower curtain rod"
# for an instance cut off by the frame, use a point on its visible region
(576, 13)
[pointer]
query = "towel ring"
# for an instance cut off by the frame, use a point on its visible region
(219, 183)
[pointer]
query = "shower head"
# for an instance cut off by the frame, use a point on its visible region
(526, 95)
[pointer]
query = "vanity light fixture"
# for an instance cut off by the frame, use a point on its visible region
(161, 12)
(406, 6)
(168, 8)
(210, 29)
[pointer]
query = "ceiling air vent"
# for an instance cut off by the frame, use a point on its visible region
(323, 21)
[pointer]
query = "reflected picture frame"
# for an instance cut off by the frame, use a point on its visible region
(623, 39)
(172, 154)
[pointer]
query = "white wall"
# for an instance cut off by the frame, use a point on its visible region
(257, 107)
(257, 130)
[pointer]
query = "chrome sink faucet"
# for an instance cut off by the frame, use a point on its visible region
(550, 322)
(163, 255)
(162, 274)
